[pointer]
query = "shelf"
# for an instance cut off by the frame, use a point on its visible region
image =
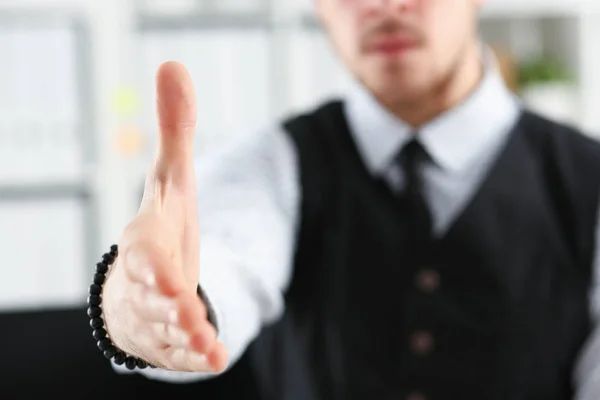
(205, 21)
(534, 8)
(40, 4)
(43, 10)
(194, 14)
(43, 191)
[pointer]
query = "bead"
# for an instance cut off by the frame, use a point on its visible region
(110, 352)
(104, 344)
(95, 289)
(99, 333)
(141, 364)
(108, 258)
(119, 358)
(96, 322)
(99, 278)
(101, 268)
(94, 300)
(94, 312)
(130, 363)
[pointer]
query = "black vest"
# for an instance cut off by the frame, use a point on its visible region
(511, 312)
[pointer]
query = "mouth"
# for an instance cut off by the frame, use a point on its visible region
(392, 45)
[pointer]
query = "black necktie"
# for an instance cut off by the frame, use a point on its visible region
(411, 160)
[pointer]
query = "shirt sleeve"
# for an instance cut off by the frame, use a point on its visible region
(248, 197)
(587, 372)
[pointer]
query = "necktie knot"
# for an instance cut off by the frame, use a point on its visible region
(410, 159)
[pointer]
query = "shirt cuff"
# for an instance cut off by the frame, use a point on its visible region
(164, 375)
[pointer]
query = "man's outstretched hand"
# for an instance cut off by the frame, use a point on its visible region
(150, 305)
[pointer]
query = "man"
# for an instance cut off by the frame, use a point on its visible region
(424, 239)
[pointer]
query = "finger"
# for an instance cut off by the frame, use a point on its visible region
(176, 109)
(191, 318)
(195, 332)
(218, 358)
(183, 359)
(151, 306)
(168, 334)
(203, 340)
(191, 312)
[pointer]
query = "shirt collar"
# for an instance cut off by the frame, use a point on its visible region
(454, 140)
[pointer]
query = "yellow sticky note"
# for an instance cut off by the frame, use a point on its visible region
(129, 140)
(126, 102)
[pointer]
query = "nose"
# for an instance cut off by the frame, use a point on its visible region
(389, 5)
(401, 5)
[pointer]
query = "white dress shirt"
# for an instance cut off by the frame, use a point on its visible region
(249, 200)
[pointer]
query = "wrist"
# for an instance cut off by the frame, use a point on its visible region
(97, 312)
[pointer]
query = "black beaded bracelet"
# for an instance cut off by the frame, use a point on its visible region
(94, 311)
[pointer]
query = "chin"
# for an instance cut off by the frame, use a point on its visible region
(397, 81)
(398, 88)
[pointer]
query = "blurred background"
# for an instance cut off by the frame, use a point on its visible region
(77, 122)
(77, 94)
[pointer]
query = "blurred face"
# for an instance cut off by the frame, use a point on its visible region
(402, 50)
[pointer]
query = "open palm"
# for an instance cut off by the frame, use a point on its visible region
(150, 306)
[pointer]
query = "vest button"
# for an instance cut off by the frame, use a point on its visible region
(428, 280)
(416, 396)
(422, 343)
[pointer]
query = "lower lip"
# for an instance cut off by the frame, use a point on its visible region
(393, 48)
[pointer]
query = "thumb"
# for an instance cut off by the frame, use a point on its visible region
(176, 109)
